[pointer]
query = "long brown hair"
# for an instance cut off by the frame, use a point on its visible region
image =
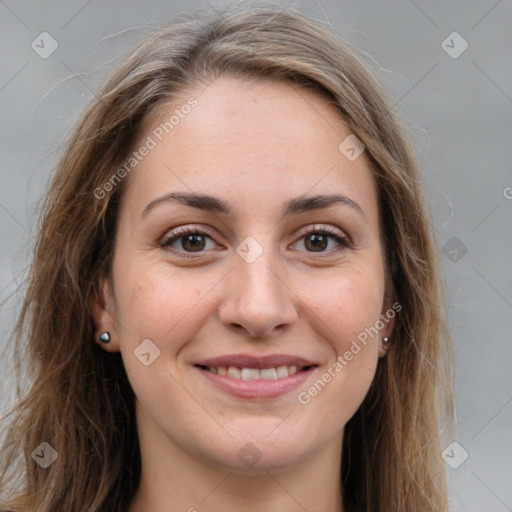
(79, 399)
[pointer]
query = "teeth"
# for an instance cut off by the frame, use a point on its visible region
(268, 374)
(250, 374)
(234, 372)
(281, 372)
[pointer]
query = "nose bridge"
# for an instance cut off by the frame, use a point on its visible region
(260, 278)
(257, 297)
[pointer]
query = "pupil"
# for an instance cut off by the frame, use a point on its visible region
(194, 241)
(318, 241)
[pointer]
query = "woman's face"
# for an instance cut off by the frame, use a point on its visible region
(225, 332)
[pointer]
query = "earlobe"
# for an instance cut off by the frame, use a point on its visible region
(384, 346)
(388, 319)
(105, 333)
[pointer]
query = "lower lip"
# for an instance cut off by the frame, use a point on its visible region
(257, 388)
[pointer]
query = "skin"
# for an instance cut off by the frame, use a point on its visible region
(255, 146)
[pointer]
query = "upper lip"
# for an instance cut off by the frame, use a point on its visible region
(258, 362)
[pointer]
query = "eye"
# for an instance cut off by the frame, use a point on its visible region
(316, 239)
(187, 239)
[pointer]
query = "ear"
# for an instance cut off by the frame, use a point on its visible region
(387, 317)
(103, 312)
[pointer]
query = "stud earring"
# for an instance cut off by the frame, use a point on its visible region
(104, 337)
(386, 340)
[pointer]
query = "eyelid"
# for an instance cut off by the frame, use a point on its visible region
(189, 228)
(177, 233)
(322, 227)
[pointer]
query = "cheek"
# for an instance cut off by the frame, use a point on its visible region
(358, 304)
(349, 313)
(163, 306)
(161, 303)
(348, 303)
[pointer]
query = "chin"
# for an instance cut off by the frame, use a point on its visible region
(255, 451)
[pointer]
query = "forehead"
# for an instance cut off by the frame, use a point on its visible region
(254, 144)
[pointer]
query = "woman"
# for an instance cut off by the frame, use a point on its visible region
(234, 300)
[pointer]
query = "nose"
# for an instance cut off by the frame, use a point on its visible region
(258, 302)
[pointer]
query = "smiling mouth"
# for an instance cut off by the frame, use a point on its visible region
(274, 373)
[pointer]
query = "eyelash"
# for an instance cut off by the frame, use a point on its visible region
(343, 242)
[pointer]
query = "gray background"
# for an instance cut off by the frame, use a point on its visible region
(459, 112)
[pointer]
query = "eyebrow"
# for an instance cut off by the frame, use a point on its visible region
(294, 206)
